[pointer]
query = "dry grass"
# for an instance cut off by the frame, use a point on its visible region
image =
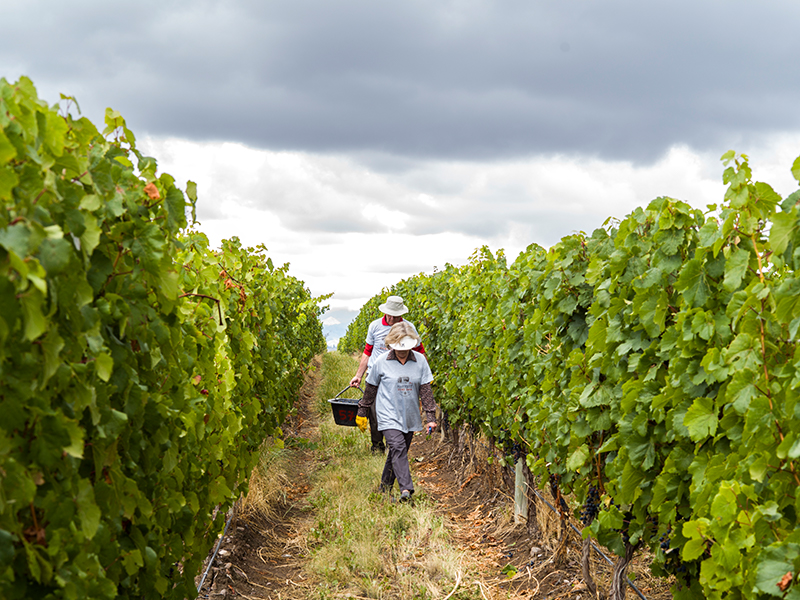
(268, 483)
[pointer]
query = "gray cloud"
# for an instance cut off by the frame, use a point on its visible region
(455, 80)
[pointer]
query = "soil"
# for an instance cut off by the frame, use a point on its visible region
(263, 556)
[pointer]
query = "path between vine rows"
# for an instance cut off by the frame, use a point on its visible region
(263, 558)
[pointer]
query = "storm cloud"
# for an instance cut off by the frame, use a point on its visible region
(459, 79)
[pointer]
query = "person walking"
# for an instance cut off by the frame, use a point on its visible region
(398, 382)
(393, 310)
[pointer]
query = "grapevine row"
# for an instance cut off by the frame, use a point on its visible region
(140, 370)
(652, 368)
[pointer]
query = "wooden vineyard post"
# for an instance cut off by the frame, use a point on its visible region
(520, 493)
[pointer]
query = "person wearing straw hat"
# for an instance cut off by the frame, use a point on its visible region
(393, 310)
(398, 382)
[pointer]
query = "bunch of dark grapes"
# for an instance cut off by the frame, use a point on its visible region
(675, 566)
(626, 523)
(591, 507)
(554, 479)
(517, 450)
(672, 559)
(663, 541)
(513, 449)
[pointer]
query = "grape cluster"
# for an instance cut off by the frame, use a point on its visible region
(513, 449)
(673, 564)
(517, 450)
(554, 479)
(663, 541)
(591, 507)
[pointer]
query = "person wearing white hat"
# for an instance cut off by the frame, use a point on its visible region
(393, 310)
(398, 382)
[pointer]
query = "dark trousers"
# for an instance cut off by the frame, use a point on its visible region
(377, 436)
(396, 466)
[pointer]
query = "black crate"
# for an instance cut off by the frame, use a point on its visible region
(345, 409)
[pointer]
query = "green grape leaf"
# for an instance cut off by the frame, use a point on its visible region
(708, 233)
(176, 208)
(789, 447)
(693, 284)
(75, 431)
(132, 561)
(91, 235)
(701, 419)
(104, 365)
(219, 491)
(168, 281)
(191, 190)
(735, 268)
(55, 255)
(578, 458)
(91, 202)
(724, 507)
(7, 550)
(8, 181)
(759, 467)
(7, 149)
(88, 511)
(774, 562)
(54, 132)
(782, 231)
(740, 392)
(16, 239)
(35, 322)
(52, 344)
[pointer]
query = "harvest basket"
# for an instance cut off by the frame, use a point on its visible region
(345, 409)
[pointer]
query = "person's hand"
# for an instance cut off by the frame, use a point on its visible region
(431, 426)
(362, 423)
(355, 381)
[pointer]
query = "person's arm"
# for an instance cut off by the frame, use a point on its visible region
(428, 404)
(367, 400)
(362, 368)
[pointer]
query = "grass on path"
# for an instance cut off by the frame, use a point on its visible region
(363, 543)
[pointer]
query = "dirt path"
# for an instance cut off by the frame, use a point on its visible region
(263, 556)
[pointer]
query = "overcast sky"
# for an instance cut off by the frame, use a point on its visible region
(365, 141)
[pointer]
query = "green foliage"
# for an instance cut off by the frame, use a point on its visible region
(139, 370)
(656, 360)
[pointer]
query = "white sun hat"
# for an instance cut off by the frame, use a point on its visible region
(393, 306)
(407, 343)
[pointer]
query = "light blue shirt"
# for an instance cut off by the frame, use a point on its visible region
(397, 400)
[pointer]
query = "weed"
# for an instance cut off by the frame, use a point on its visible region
(300, 443)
